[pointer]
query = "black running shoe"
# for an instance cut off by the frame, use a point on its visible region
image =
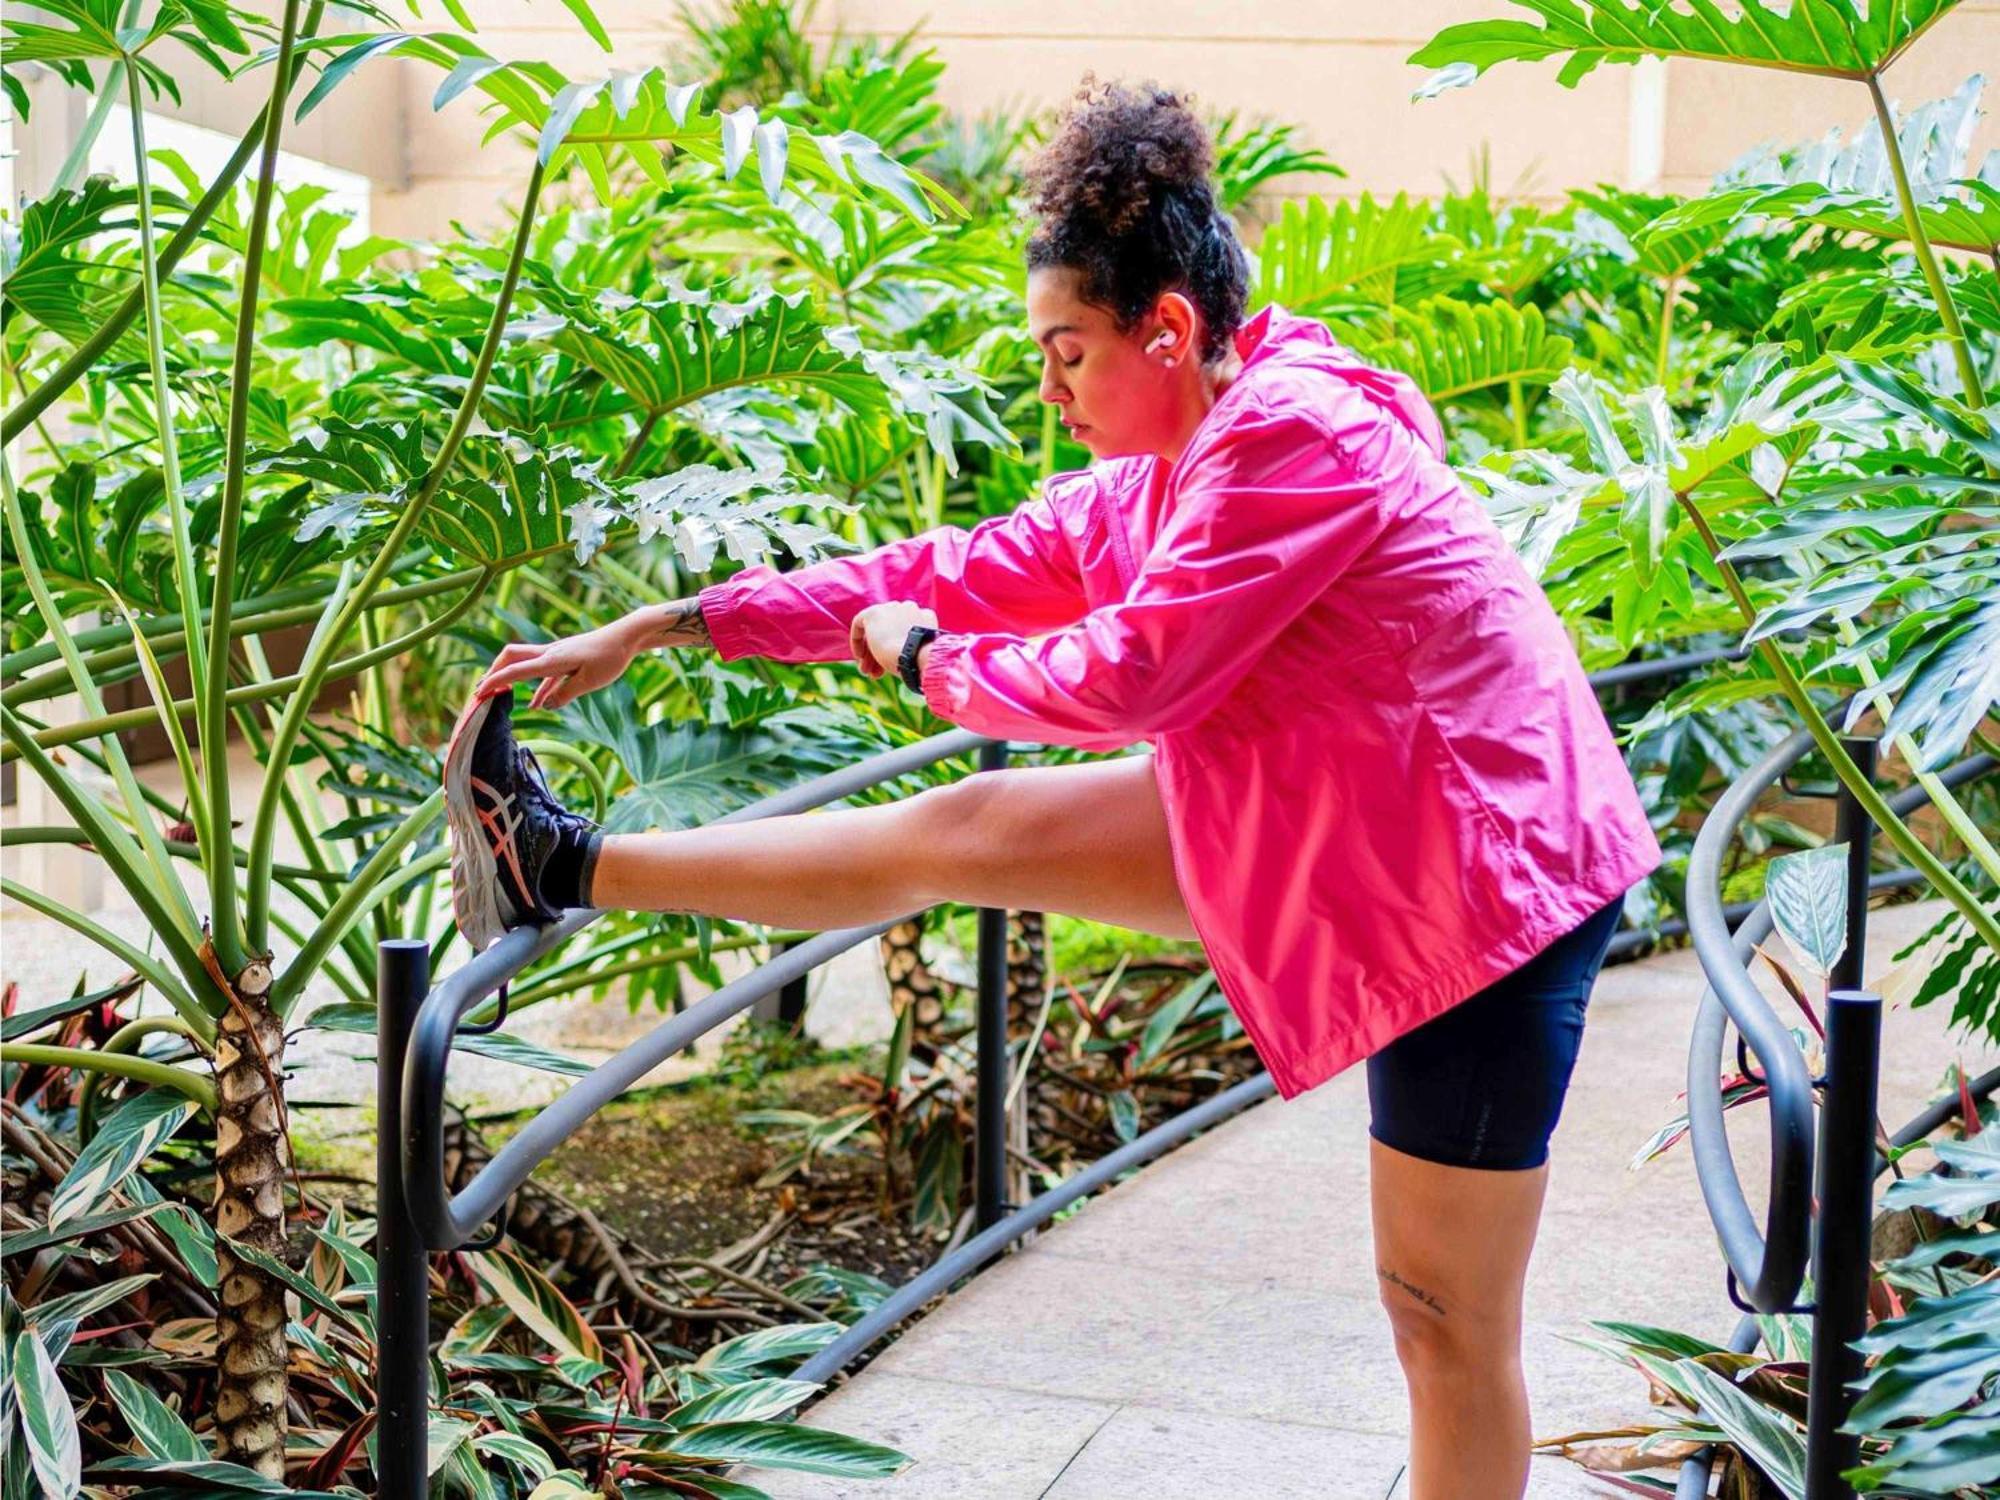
(504, 824)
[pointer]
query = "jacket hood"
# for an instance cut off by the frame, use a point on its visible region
(1278, 336)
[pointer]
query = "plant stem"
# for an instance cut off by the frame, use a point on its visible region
(1865, 791)
(632, 449)
(302, 809)
(123, 1041)
(1968, 372)
(227, 933)
(366, 887)
(52, 833)
(163, 407)
(107, 95)
(1668, 295)
(140, 1069)
(1948, 806)
(277, 765)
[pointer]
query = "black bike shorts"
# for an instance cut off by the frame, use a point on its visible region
(1482, 1084)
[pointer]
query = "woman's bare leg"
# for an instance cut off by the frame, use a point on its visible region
(1087, 840)
(1451, 1259)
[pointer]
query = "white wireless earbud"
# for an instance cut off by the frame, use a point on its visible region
(1166, 336)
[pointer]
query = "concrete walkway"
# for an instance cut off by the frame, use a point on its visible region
(1209, 1327)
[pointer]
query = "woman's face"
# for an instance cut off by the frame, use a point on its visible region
(1115, 397)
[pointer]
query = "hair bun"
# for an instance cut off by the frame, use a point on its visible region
(1116, 152)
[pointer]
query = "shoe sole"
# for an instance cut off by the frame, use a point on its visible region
(475, 875)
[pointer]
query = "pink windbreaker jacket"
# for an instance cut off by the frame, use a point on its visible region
(1386, 779)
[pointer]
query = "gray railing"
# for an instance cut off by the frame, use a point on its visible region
(1836, 1163)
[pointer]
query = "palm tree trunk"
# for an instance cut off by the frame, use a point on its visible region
(252, 1155)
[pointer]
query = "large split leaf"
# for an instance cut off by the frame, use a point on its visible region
(688, 774)
(71, 36)
(1833, 38)
(1321, 257)
(1452, 348)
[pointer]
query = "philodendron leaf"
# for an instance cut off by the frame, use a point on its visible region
(1833, 38)
(1969, 1193)
(1955, 683)
(127, 1137)
(1808, 895)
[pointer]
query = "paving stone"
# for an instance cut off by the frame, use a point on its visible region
(1068, 1327)
(1145, 1453)
(966, 1440)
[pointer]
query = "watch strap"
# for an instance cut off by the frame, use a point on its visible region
(906, 662)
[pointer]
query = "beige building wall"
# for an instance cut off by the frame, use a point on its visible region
(1336, 68)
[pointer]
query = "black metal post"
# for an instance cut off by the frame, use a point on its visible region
(1846, 1191)
(402, 1286)
(1853, 827)
(787, 1004)
(990, 1138)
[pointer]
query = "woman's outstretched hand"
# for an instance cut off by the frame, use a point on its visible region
(573, 666)
(876, 634)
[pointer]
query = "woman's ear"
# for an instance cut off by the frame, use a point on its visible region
(1179, 324)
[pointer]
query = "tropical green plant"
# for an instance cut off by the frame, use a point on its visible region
(199, 523)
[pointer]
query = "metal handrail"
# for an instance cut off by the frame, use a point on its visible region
(1771, 1265)
(1770, 1276)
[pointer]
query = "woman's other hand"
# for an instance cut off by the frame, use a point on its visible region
(876, 634)
(573, 666)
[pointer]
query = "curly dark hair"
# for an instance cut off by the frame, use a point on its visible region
(1123, 193)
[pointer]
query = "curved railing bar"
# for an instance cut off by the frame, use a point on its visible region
(1770, 1266)
(447, 1221)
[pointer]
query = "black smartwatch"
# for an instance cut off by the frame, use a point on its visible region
(906, 663)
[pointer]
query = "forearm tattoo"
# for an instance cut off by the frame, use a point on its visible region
(678, 623)
(1415, 1291)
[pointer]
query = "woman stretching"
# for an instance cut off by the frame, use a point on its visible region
(1379, 791)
